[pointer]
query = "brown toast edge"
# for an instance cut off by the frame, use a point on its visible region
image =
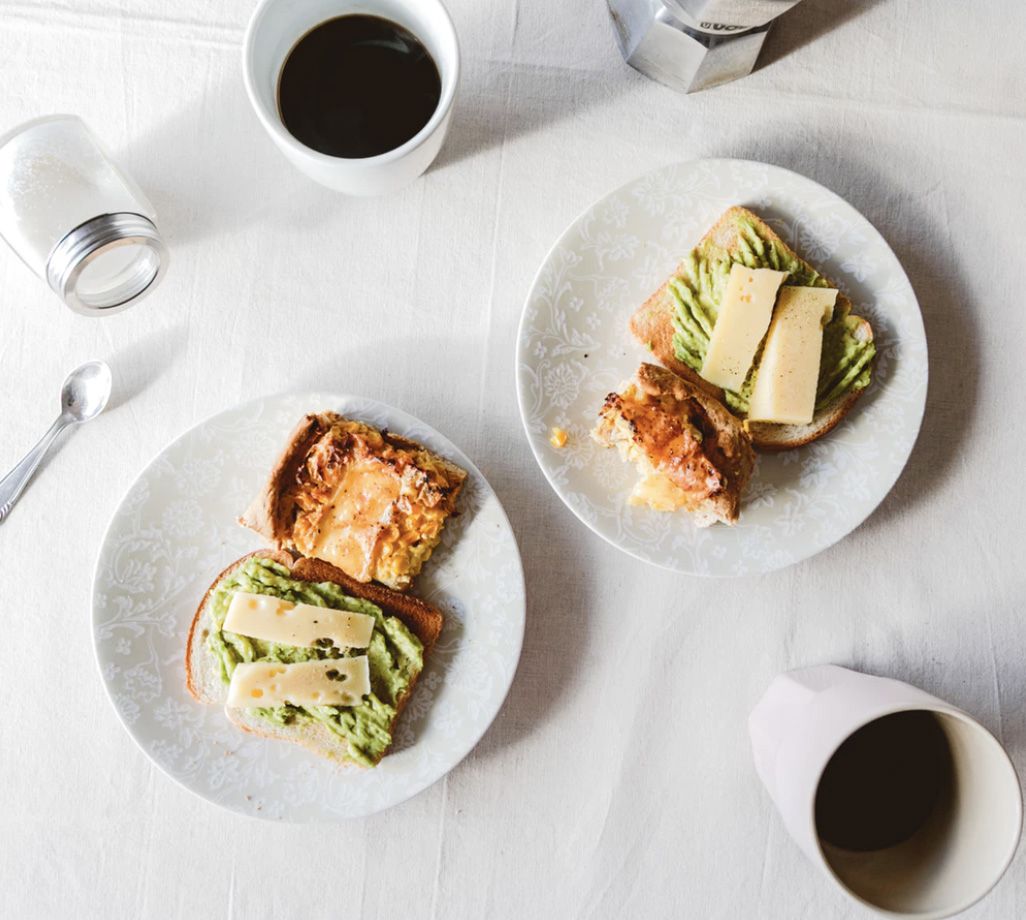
(266, 514)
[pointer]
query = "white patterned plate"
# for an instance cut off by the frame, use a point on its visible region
(176, 530)
(574, 347)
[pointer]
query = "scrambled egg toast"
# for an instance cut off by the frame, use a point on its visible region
(367, 501)
(691, 453)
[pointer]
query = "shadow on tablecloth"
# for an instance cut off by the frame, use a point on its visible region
(499, 104)
(804, 23)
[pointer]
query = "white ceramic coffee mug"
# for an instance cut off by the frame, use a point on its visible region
(961, 850)
(274, 30)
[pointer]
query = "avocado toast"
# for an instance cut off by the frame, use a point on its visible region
(677, 321)
(405, 632)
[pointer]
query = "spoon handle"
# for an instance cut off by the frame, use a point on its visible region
(13, 484)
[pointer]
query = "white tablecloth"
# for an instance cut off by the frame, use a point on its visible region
(578, 802)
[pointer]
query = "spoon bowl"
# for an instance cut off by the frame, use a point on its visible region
(86, 391)
(83, 397)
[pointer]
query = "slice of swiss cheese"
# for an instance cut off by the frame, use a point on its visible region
(744, 317)
(785, 388)
(275, 620)
(325, 682)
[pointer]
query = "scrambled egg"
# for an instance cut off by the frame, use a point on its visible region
(371, 503)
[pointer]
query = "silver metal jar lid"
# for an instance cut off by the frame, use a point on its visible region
(107, 264)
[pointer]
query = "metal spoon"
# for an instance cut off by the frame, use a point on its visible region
(83, 397)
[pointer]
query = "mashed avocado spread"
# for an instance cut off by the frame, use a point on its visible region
(698, 289)
(395, 656)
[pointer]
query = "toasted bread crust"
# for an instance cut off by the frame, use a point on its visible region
(270, 512)
(652, 325)
(422, 619)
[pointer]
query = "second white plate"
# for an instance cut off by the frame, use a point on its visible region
(574, 347)
(176, 530)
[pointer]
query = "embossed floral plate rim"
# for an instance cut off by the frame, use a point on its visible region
(175, 529)
(574, 347)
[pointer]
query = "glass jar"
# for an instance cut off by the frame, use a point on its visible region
(75, 218)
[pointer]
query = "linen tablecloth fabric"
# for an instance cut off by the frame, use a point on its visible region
(589, 796)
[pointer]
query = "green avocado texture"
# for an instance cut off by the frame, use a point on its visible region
(697, 290)
(395, 656)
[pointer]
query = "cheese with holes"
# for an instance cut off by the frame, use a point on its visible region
(326, 682)
(275, 620)
(785, 388)
(742, 322)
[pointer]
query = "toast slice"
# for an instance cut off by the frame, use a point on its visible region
(203, 668)
(691, 452)
(653, 322)
(369, 502)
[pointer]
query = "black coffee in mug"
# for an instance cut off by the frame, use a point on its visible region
(884, 783)
(358, 86)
